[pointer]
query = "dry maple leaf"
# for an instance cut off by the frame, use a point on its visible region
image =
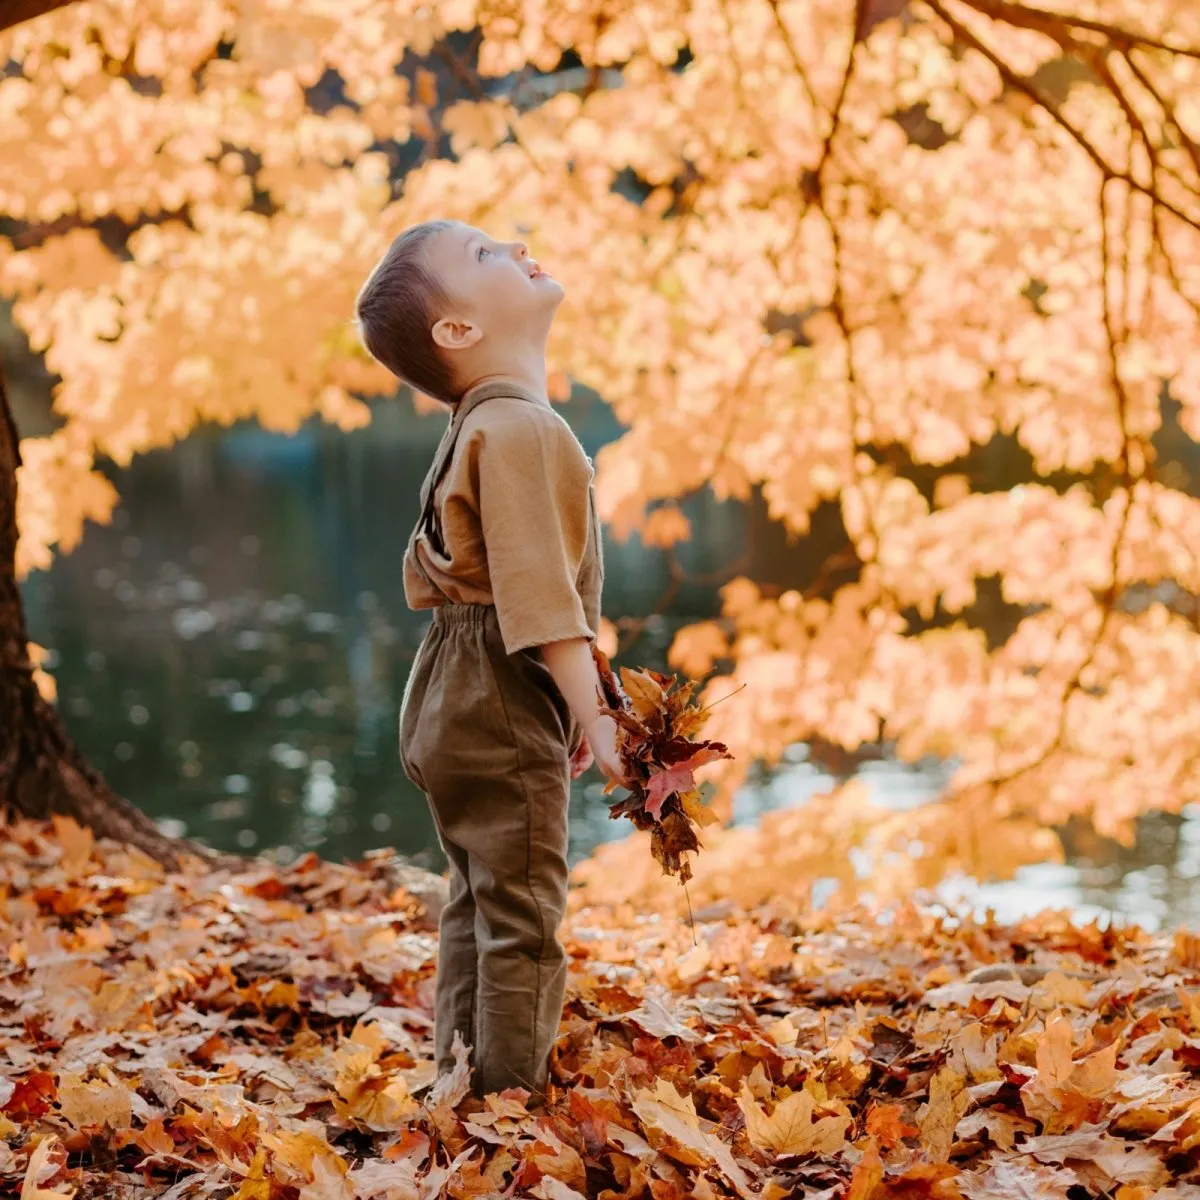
(254, 1104)
(433, 1184)
(886, 1123)
(366, 1092)
(451, 1088)
(329, 1182)
(386, 1180)
(656, 718)
(549, 1188)
(673, 1125)
(948, 1100)
(77, 843)
(295, 1154)
(94, 1103)
(1009, 1179)
(39, 1164)
(1110, 1158)
(1067, 1092)
(790, 1128)
(657, 1019)
(867, 1176)
(552, 1156)
(1001, 1127)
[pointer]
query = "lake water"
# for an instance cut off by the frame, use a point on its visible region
(231, 652)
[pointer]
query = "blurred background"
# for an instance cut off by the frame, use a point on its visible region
(232, 649)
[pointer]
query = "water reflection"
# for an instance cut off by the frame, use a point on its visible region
(232, 649)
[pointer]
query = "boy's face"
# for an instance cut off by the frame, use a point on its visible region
(498, 291)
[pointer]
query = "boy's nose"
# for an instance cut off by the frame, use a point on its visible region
(520, 249)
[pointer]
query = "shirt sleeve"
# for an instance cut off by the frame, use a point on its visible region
(533, 511)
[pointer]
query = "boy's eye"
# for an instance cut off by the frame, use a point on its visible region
(481, 252)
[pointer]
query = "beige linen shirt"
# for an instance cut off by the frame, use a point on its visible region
(512, 507)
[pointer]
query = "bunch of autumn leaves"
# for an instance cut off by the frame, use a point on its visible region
(657, 719)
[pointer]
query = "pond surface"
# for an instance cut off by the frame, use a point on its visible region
(231, 652)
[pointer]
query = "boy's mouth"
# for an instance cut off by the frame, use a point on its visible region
(536, 272)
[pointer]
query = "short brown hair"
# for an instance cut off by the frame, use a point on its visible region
(396, 309)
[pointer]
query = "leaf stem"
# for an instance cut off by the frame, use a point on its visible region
(722, 700)
(691, 918)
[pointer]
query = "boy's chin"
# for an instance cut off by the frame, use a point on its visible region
(550, 299)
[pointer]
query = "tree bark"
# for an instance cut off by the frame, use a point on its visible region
(41, 770)
(13, 12)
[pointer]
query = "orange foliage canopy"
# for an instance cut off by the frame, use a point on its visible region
(857, 227)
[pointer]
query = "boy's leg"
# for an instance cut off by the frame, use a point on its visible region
(491, 746)
(519, 879)
(456, 979)
(518, 859)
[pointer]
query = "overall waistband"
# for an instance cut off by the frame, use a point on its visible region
(471, 615)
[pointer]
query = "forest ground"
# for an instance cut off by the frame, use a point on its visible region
(265, 1034)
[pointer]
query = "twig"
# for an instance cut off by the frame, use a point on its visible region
(691, 918)
(709, 707)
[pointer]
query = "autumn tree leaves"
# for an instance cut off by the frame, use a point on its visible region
(806, 245)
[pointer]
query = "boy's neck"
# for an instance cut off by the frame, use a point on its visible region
(528, 377)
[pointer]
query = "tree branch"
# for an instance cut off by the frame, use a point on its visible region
(1168, 108)
(1022, 84)
(797, 65)
(1027, 17)
(13, 12)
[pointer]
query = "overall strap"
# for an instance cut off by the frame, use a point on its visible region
(429, 523)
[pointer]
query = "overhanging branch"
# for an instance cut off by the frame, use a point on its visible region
(13, 12)
(1029, 17)
(1022, 84)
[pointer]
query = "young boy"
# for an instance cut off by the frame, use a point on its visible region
(500, 710)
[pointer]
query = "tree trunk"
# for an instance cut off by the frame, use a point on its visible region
(41, 770)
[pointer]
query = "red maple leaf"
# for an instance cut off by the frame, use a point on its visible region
(678, 778)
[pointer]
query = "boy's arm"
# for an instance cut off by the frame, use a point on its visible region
(533, 510)
(574, 671)
(533, 514)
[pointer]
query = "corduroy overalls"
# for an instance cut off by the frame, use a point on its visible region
(487, 736)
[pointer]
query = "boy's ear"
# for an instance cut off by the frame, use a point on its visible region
(455, 335)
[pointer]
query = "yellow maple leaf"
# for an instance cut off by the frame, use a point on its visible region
(644, 693)
(1067, 1091)
(382, 1104)
(451, 1087)
(696, 647)
(693, 806)
(355, 1066)
(294, 1153)
(95, 1103)
(790, 1127)
(948, 1100)
(256, 1184)
(76, 841)
(673, 1124)
(867, 1177)
(666, 526)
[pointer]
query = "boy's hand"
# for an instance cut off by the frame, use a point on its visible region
(581, 759)
(573, 669)
(602, 737)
